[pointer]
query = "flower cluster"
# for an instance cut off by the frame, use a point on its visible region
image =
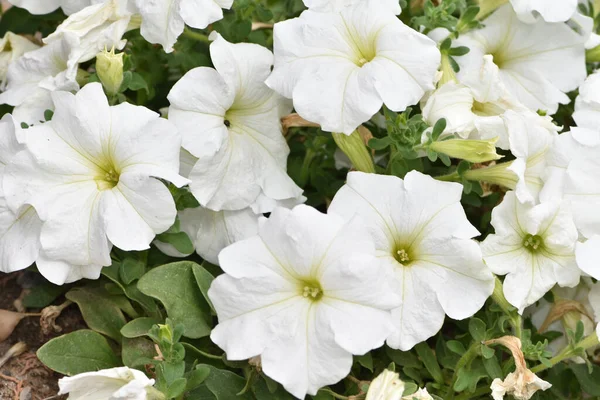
(91, 177)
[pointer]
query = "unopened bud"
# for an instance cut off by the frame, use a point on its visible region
(165, 333)
(109, 67)
(354, 147)
(475, 151)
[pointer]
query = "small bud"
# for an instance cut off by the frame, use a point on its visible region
(109, 67)
(354, 147)
(475, 151)
(165, 333)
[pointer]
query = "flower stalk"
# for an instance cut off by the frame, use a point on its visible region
(568, 352)
(354, 147)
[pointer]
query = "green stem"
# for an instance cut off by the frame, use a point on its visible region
(465, 360)
(196, 35)
(354, 147)
(514, 318)
(568, 352)
(452, 177)
(305, 171)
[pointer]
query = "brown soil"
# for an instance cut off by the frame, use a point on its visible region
(25, 377)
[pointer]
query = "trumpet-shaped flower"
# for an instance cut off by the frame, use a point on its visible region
(534, 246)
(98, 26)
(420, 230)
(20, 230)
(11, 48)
(587, 103)
(230, 121)
(120, 383)
(35, 75)
(47, 6)
(305, 294)
(340, 67)
(537, 63)
(91, 175)
(164, 20)
(529, 11)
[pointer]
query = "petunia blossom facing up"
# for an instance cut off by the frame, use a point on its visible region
(340, 67)
(231, 121)
(305, 294)
(420, 230)
(538, 63)
(534, 246)
(90, 173)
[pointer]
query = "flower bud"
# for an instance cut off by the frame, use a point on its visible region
(475, 151)
(165, 333)
(354, 147)
(387, 386)
(109, 67)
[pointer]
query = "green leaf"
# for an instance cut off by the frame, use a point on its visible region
(223, 384)
(467, 378)
(487, 352)
(430, 362)
(366, 361)
(196, 377)
(99, 312)
(78, 352)
(492, 367)
(175, 286)
(590, 383)
(137, 352)
(131, 269)
(456, 347)
(477, 329)
(438, 128)
(48, 114)
(469, 14)
(380, 144)
(42, 295)
(138, 83)
(176, 388)
(139, 327)
(459, 51)
(204, 280)
(180, 240)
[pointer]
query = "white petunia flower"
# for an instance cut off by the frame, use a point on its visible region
(587, 103)
(421, 231)
(20, 230)
(573, 175)
(549, 10)
(11, 48)
(120, 383)
(98, 26)
(534, 246)
(47, 6)
(35, 75)
(305, 294)
(91, 175)
(338, 5)
(341, 67)
(537, 63)
(164, 20)
(230, 120)
(387, 386)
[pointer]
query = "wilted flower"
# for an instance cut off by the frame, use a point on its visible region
(420, 231)
(305, 294)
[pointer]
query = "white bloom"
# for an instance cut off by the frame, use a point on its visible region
(120, 383)
(534, 246)
(421, 231)
(305, 294)
(338, 5)
(530, 139)
(469, 116)
(164, 20)
(32, 78)
(549, 10)
(387, 386)
(11, 48)
(47, 6)
(339, 68)
(587, 103)
(230, 120)
(573, 174)
(20, 230)
(90, 174)
(536, 62)
(98, 27)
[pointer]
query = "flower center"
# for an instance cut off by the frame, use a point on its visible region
(364, 48)
(402, 255)
(486, 109)
(533, 243)
(311, 290)
(107, 178)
